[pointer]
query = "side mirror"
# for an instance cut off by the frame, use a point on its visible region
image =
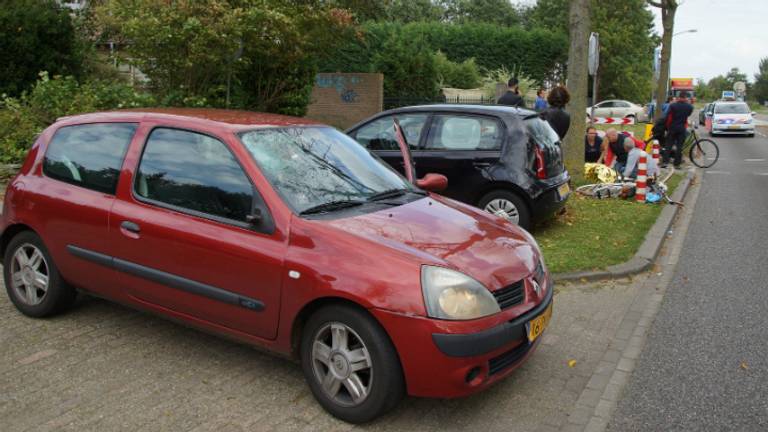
(433, 182)
(754, 113)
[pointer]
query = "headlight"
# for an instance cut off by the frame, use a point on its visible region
(451, 295)
(748, 121)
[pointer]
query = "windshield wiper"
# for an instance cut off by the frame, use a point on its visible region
(392, 193)
(331, 206)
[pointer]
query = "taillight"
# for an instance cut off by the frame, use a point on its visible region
(541, 172)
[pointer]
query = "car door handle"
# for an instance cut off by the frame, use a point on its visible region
(130, 227)
(481, 164)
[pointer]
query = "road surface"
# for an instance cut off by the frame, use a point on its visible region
(705, 364)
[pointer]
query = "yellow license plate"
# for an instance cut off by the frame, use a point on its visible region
(734, 127)
(563, 190)
(537, 325)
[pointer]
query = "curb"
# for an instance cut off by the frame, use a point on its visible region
(649, 250)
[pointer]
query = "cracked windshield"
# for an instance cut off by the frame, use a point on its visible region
(317, 166)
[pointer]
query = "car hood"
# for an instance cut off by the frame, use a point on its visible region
(440, 231)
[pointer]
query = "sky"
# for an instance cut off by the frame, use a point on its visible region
(729, 33)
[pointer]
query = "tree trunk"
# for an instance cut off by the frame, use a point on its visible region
(668, 9)
(578, 78)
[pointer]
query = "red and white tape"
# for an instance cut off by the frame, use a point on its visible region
(614, 120)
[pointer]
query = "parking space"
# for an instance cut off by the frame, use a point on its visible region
(105, 367)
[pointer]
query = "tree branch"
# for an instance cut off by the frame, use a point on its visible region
(655, 4)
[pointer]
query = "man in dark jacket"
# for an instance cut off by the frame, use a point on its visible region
(677, 123)
(512, 96)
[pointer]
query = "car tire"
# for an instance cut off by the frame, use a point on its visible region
(633, 117)
(352, 339)
(32, 280)
(502, 203)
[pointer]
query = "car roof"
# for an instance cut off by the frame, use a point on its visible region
(231, 119)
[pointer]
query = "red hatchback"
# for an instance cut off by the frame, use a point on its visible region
(281, 233)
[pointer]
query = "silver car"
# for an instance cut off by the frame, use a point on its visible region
(620, 109)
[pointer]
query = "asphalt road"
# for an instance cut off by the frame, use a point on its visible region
(705, 364)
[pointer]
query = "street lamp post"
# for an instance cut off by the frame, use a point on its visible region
(669, 66)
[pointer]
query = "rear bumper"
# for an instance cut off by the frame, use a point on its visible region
(550, 201)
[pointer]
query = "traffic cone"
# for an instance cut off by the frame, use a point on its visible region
(656, 151)
(641, 178)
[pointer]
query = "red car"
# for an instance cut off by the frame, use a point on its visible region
(281, 233)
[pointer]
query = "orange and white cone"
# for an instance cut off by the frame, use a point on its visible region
(656, 151)
(642, 167)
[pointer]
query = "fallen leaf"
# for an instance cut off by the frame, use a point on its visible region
(572, 363)
(743, 365)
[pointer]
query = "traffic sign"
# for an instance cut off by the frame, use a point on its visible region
(594, 53)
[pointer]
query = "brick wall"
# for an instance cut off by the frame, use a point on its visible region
(343, 99)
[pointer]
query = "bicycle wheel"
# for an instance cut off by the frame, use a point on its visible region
(704, 153)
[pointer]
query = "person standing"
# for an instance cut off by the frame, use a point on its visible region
(593, 145)
(541, 103)
(512, 96)
(560, 120)
(677, 124)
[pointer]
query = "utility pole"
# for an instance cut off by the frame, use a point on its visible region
(668, 9)
(573, 147)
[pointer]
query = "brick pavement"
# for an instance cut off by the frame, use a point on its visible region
(105, 367)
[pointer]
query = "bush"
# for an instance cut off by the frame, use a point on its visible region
(21, 119)
(464, 75)
(35, 35)
(408, 66)
(539, 53)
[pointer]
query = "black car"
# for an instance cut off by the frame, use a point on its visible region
(505, 160)
(706, 112)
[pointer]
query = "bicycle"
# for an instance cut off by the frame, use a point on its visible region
(703, 152)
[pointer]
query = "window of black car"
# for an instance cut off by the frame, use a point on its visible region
(462, 132)
(312, 166)
(89, 155)
(380, 134)
(196, 172)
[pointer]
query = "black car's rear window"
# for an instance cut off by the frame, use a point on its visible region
(541, 132)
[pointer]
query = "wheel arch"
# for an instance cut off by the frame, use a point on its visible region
(9, 233)
(313, 306)
(504, 186)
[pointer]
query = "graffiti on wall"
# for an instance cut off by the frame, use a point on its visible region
(342, 84)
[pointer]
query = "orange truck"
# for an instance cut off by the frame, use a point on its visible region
(679, 85)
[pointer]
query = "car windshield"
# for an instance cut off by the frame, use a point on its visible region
(312, 167)
(731, 109)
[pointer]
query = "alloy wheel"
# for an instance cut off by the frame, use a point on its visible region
(342, 364)
(29, 274)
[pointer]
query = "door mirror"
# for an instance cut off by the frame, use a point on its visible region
(433, 182)
(754, 113)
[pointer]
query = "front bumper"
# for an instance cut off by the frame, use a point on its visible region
(447, 359)
(737, 130)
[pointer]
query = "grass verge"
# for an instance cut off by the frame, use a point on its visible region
(593, 234)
